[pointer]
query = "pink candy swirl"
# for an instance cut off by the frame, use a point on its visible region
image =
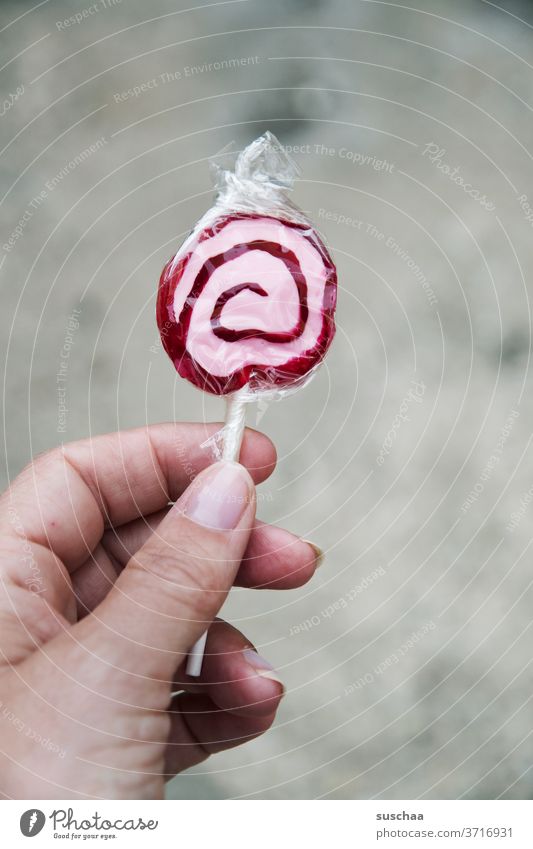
(249, 300)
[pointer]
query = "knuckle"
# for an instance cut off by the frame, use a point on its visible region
(193, 571)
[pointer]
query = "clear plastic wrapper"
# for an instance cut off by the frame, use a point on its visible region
(247, 303)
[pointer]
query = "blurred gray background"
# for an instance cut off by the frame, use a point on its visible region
(408, 659)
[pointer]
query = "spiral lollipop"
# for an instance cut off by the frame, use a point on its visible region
(246, 307)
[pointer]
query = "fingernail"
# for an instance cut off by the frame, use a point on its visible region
(319, 554)
(261, 666)
(218, 497)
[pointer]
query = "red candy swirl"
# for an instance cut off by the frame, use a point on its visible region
(250, 300)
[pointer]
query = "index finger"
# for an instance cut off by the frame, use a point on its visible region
(65, 498)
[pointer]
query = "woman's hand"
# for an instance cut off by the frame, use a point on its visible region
(103, 590)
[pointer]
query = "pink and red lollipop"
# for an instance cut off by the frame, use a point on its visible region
(249, 300)
(246, 306)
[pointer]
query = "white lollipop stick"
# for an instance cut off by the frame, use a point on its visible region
(231, 448)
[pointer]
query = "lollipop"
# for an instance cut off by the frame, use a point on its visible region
(246, 307)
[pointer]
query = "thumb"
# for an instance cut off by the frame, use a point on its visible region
(174, 586)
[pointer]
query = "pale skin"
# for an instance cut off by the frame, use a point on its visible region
(104, 588)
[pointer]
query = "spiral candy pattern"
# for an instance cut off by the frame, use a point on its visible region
(249, 300)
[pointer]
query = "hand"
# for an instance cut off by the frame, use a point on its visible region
(105, 587)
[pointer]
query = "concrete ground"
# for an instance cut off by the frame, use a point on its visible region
(408, 659)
